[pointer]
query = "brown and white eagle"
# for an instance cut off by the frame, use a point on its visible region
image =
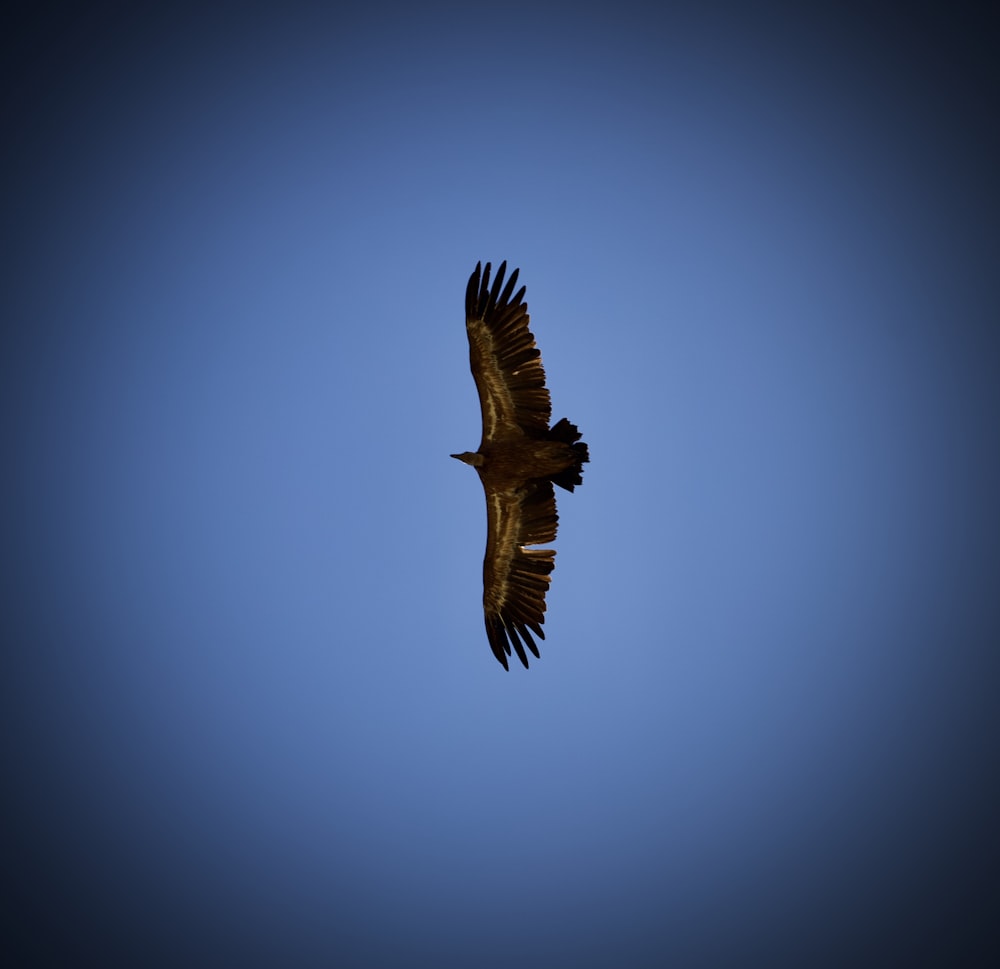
(519, 459)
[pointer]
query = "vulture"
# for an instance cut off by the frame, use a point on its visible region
(519, 459)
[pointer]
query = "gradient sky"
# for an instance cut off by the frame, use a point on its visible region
(249, 713)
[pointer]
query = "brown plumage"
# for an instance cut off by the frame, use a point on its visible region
(519, 459)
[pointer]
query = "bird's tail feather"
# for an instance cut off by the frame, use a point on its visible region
(568, 433)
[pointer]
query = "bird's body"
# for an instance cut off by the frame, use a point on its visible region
(500, 462)
(519, 459)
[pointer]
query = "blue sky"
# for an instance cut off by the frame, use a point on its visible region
(250, 715)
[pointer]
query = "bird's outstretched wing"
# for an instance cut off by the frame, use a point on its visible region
(505, 362)
(515, 578)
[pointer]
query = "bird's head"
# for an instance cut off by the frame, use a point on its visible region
(470, 457)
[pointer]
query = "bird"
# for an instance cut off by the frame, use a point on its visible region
(520, 458)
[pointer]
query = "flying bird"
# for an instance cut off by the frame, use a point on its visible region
(519, 459)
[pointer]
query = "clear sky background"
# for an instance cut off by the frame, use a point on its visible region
(249, 713)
